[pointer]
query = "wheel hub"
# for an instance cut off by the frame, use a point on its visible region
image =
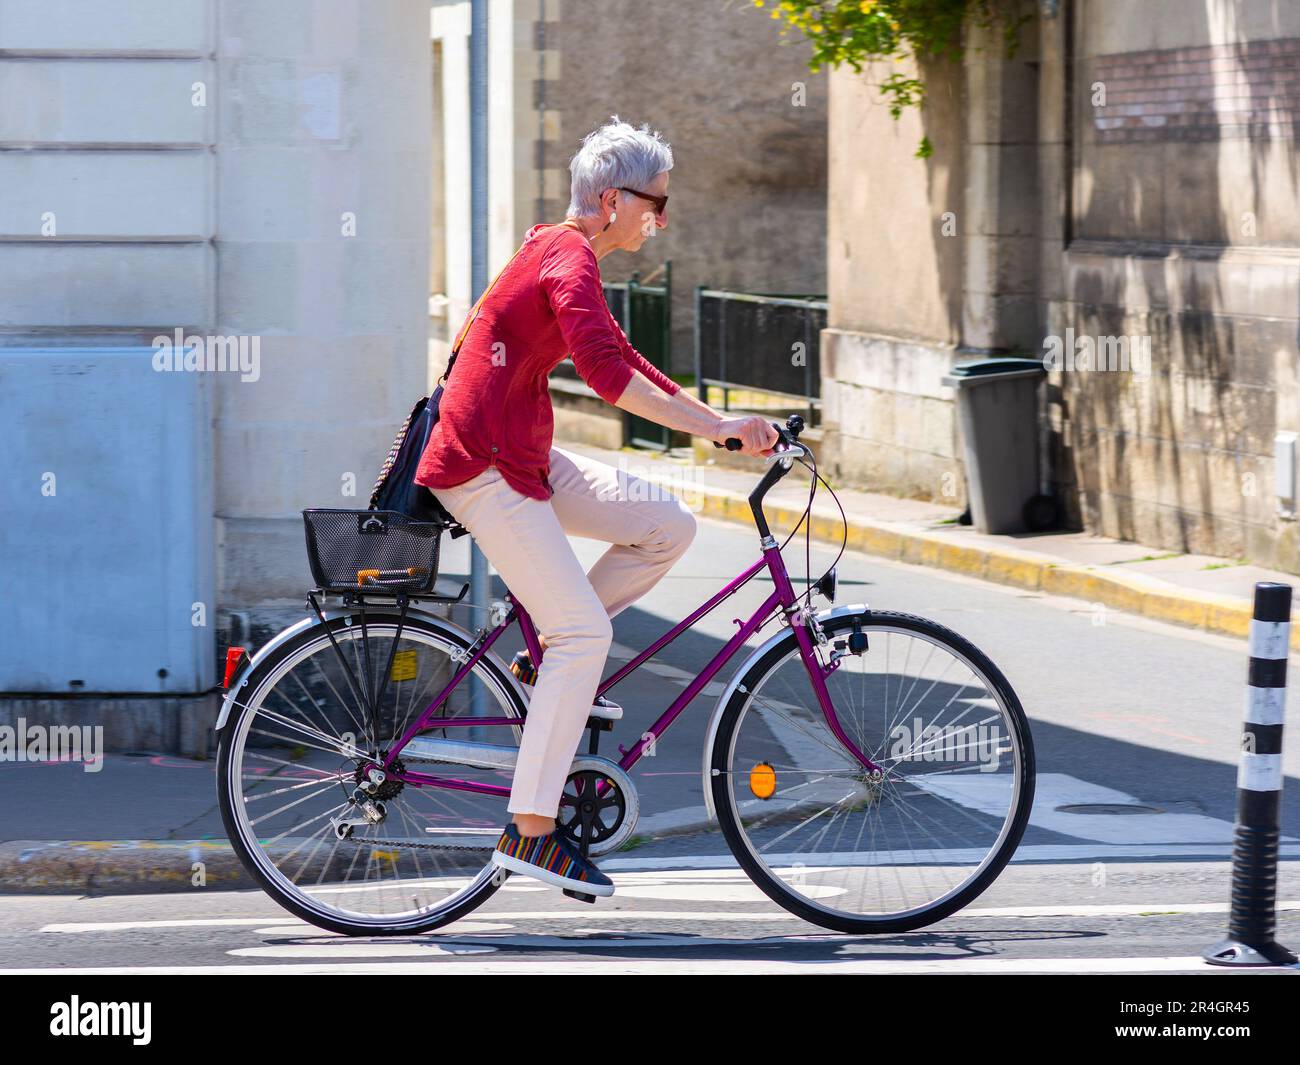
(875, 784)
(389, 788)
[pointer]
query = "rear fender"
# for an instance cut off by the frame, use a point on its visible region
(331, 613)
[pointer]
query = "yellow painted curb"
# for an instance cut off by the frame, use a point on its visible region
(1133, 593)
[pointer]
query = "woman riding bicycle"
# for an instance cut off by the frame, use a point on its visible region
(490, 463)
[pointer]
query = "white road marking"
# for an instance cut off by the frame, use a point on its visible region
(991, 794)
(734, 892)
(722, 966)
(266, 926)
(680, 677)
(1123, 909)
(1047, 852)
(592, 914)
(127, 926)
(467, 928)
(345, 949)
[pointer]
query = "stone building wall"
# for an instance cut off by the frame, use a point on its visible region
(747, 124)
(1127, 179)
(1183, 231)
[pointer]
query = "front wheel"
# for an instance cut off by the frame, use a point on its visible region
(885, 851)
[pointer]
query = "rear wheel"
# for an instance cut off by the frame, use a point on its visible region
(292, 755)
(891, 851)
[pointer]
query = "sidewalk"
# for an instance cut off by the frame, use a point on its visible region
(1198, 591)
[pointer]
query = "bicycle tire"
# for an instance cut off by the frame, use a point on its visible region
(377, 623)
(729, 817)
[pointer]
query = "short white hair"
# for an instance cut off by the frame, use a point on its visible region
(617, 154)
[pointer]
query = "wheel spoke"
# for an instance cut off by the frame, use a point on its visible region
(900, 843)
(336, 843)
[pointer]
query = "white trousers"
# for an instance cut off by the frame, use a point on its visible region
(525, 539)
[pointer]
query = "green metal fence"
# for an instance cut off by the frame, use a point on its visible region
(645, 313)
(759, 352)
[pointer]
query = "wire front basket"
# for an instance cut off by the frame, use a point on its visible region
(376, 551)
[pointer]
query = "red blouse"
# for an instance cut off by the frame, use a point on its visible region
(496, 408)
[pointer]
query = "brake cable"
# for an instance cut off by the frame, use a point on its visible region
(807, 517)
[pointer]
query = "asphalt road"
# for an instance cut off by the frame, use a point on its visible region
(1123, 712)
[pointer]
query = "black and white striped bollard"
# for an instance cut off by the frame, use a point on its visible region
(1259, 789)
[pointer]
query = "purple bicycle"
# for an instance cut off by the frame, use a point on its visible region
(871, 771)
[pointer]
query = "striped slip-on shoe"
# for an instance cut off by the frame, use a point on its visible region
(552, 860)
(523, 669)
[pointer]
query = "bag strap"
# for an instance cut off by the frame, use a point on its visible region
(478, 306)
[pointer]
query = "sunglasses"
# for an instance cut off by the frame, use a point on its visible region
(660, 202)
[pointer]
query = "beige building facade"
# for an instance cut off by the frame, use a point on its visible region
(1126, 183)
(223, 170)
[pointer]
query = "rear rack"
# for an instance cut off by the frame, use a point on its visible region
(440, 593)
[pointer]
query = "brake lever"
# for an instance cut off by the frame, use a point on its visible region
(791, 452)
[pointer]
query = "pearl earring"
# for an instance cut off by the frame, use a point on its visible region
(613, 216)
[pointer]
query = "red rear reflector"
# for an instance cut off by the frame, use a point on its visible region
(234, 655)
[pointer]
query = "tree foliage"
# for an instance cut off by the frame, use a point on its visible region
(858, 32)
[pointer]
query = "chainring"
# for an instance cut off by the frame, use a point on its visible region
(612, 814)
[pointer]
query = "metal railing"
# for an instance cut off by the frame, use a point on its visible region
(762, 351)
(645, 313)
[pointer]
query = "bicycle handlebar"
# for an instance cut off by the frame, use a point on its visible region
(788, 434)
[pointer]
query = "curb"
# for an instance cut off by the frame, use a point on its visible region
(143, 866)
(129, 866)
(1149, 597)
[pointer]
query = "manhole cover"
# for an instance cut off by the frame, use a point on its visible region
(1107, 808)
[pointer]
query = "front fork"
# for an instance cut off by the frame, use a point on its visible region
(810, 635)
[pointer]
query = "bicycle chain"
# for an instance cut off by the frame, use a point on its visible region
(370, 842)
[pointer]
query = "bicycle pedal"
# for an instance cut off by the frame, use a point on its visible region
(578, 895)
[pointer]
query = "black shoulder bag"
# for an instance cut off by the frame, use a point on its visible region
(395, 488)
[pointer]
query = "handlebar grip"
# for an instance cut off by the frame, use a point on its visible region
(733, 443)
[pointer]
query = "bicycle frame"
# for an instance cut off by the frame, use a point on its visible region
(782, 598)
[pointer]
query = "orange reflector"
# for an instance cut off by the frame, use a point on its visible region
(368, 576)
(762, 781)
